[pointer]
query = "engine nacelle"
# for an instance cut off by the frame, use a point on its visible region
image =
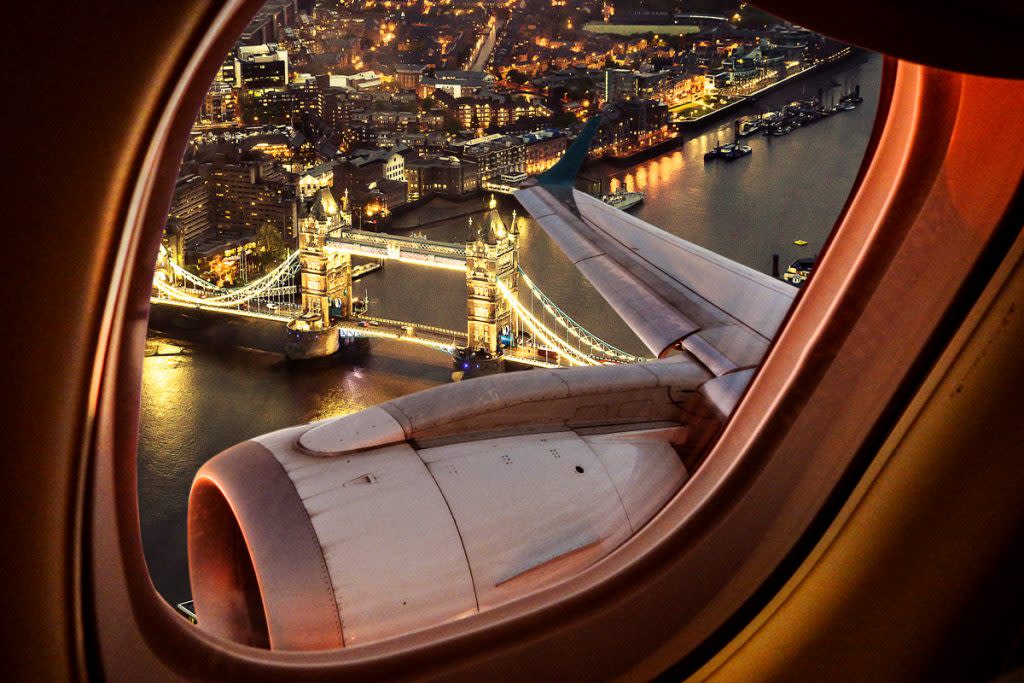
(391, 520)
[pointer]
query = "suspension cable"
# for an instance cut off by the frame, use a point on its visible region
(573, 327)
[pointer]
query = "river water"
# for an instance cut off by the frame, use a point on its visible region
(229, 382)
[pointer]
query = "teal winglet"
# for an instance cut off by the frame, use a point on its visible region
(568, 167)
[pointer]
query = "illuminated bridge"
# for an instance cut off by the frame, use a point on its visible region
(508, 316)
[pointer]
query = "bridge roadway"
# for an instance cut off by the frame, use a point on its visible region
(400, 248)
(280, 314)
(440, 338)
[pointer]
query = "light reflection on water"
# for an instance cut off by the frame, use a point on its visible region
(215, 395)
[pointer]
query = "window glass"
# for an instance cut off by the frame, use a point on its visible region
(382, 140)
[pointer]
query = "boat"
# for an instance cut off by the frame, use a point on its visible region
(507, 183)
(750, 127)
(851, 99)
(361, 306)
(622, 199)
(713, 154)
(512, 178)
(799, 271)
(734, 151)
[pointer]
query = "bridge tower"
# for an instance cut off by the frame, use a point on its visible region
(492, 258)
(326, 284)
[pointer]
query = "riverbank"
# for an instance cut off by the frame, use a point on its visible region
(692, 127)
(701, 122)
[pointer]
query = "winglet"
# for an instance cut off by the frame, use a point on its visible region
(568, 167)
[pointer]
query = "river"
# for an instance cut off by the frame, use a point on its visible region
(229, 383)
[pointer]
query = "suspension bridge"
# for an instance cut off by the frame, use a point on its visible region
(508, 316)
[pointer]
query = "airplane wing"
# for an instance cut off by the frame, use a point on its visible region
(668, 290)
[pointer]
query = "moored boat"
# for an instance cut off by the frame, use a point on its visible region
(734, 151)
(622, 199)
(799, 271)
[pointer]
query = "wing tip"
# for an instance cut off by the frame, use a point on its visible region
(565, 170)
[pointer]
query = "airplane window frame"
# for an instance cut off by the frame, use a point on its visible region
(126, 612)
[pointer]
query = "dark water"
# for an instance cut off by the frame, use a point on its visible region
(215, 394)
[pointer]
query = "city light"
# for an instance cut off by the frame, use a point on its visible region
(380, 113)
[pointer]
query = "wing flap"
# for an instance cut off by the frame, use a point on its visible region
(665, 288)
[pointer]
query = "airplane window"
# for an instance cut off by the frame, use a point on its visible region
(579, 225)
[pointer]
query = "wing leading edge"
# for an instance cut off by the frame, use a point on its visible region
(668, 290)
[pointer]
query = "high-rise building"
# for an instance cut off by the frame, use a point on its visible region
(190, 207)
(248, 195)
(307, 98)
(220, 104)
(337, 107)
(269, 106)
(261, 66)
(619, 84)
(270, 22)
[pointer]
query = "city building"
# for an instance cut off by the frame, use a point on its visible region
(307, 97)
(364, 81)
(190, 207)
(248, 195)
(374, 182)
(314, 179)
(542, 149)
(407, 76)
(270, 22)
(671, 86)
(366, 166)
(267, 106)
(455, 83)
(488, 109)
(619, 84)
(261, 66)
(494, 155)
(445, 176)
(220, 105)
(337, 105)
(639, 125)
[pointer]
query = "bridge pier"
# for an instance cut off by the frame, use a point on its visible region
(310, 343)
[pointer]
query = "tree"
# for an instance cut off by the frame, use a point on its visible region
(517, 76)
(272, 242)
(564, 119)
